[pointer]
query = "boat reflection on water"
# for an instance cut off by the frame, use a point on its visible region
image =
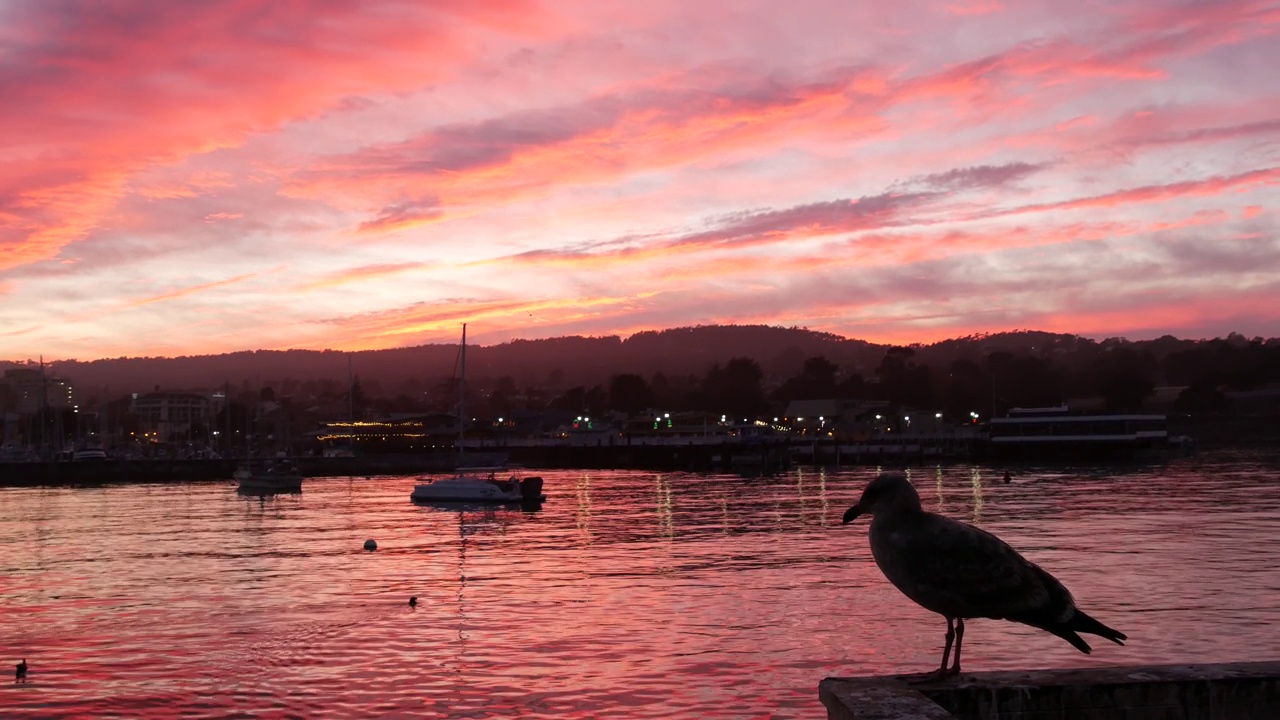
(473, 518)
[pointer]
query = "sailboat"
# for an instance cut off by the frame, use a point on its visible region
(476, 484)
(267, 476)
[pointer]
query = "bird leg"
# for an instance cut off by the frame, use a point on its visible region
(946, 650)
(955, 665)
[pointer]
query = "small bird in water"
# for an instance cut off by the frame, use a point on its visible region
(959, 571)
(21, 672)
(413, 601)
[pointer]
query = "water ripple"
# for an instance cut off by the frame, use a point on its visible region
(629, 594)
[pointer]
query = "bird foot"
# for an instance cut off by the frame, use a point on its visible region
(925, 677)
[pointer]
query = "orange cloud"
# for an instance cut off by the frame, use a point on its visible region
(981, 7)
(188, 291)
(358, 274)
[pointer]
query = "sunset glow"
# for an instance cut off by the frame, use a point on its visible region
(182, 178)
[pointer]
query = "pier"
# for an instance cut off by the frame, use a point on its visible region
(1231, 691)
(106, 472)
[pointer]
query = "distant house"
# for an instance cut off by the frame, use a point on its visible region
(833, 415)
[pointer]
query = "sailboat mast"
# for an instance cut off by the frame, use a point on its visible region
(462, 392)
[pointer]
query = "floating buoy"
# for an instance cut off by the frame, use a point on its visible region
(413, 601)
(370, 544)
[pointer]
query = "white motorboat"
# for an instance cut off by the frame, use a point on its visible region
(479, 485)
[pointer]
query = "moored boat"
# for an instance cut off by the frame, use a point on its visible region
(479, 485)
(268, 478)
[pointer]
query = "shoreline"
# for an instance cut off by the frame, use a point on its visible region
(745, 460)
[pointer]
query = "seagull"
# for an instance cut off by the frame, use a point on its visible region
(959, 571)
(21, 672)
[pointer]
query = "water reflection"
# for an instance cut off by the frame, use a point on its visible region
(582, 491)
(666, 517)
(975, 482)
(629, 594)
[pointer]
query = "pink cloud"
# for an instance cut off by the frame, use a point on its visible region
(1207, 187)
(188, 80)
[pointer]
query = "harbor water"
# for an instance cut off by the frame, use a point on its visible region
(627, 595)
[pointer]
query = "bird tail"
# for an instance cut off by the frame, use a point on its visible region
(1085, 624)
(1081, 623)
(1066, 633)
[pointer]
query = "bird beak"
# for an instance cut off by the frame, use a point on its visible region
(852, 514)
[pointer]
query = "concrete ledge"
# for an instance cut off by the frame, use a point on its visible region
(1233, 691)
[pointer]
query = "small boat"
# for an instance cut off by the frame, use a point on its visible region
(91, 452)
(479, 485)
(268, 478)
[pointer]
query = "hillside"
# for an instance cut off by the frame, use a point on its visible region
(557, 363)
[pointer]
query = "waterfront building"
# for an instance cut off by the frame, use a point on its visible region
(168, 414)
(33, 389)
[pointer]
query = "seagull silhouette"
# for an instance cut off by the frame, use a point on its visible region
(20, 673)
(960, 572)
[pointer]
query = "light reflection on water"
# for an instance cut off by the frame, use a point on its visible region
(630, 594)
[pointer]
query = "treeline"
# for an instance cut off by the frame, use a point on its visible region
(746, 370)
(959, 377)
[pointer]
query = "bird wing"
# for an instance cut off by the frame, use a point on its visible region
(961, 571)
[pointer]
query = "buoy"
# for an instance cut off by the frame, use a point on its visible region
(370, 544)
(413, 601)
(21, 672)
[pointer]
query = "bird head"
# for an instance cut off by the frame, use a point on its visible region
(885, 493)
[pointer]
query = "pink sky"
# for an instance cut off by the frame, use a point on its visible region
(190, 178)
